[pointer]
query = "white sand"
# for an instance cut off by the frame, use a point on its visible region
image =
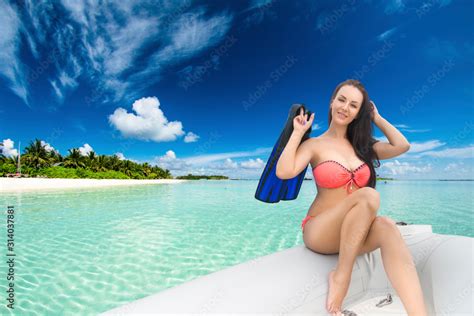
(34, 184)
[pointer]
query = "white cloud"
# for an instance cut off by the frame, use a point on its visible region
(204, 159)
(8, 148)
(459, 170)
(57, 90)
(403, 168)
(220, 164)
(120, 156)
(10, 65)
(122, 47)
(149, 122)
(115, 35)
(400, 125)
(416, 147)
(48, 147)
(189, 35)
(253, 164)
(387, 34)
(461, 152)
(65, 82)
(171, 162)
(85, 149)
(451, 166)
(409, 130)
(228, 164)
(170, 155)
(190, 137)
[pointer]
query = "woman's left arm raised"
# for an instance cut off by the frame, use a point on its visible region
(397, 144)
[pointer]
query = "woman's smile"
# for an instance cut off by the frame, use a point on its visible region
(342, 116)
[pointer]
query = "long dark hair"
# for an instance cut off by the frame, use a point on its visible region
(360, 130)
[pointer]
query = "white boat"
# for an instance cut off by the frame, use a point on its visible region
(294, 282)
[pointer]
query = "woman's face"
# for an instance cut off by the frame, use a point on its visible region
(346, 104)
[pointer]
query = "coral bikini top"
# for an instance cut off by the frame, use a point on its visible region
(332, 174)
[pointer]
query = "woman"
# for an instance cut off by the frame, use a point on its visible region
(343, 217)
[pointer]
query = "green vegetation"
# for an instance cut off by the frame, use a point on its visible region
(197, 177)
(37, 161)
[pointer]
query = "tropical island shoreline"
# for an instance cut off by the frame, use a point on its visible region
(34, 184)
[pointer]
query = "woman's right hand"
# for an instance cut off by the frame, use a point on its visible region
(301, 123)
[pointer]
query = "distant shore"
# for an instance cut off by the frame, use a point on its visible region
(35, 184)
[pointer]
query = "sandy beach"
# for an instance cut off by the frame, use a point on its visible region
(35, 184)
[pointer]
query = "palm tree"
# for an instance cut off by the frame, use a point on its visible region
(36, 155)
(146, 169)
(56, 158)
(2, 156)
(74, 160)
(101, 163)
(91, 160)
(127, 167)
(114, 163)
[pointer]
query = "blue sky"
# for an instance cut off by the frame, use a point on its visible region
(205, 87)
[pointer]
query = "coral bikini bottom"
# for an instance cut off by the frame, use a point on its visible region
(307, 218)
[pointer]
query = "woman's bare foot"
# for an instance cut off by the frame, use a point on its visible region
(338, 286)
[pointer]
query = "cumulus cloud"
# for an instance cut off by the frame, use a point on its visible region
(404, 168)
(228, 164)
(451, 166)
(85, 150)
(48, 147)
(8, 149)
(149, 122)
(120, 156)
(459, 169)
(191, 137)
(171, 162)
(221, 164)
(253, 164)
(169, 156)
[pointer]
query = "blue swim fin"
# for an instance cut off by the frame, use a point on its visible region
(272, 189)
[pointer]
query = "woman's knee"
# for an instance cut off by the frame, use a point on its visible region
(386, 226)
(371, 197)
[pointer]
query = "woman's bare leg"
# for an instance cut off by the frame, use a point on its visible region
(354, 230)
(398, 263)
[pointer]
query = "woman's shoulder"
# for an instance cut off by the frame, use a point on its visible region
(318, 144)
(313, 141)
(318, 139)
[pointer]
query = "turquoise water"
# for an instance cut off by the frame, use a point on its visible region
(86, 251)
